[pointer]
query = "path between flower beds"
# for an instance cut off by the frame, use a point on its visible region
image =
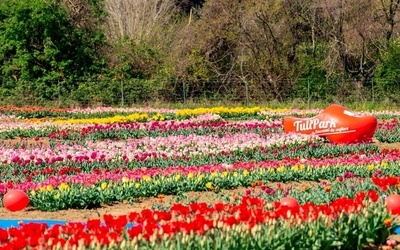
(118, 208)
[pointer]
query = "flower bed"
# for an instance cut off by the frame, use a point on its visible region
(220, 226)
(86, 158)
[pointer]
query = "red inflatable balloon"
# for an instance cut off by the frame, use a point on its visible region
(336, 123)
(393, 203)
(290, 203)
(15, 200)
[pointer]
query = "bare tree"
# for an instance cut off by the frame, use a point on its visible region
(271, 47)
(389, 10)
(350, 29)
(205, 49)
(260, 44)
(137, 19)
(83, 14)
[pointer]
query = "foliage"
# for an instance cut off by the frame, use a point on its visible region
(388, 73)
(56, 54)
(39, 46)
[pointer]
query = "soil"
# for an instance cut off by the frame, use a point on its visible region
(117, 208)
(124, 208)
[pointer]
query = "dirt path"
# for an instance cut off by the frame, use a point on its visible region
(122, 208)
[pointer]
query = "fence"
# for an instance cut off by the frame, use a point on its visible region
(305, 92)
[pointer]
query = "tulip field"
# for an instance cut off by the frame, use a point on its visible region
(256, 187)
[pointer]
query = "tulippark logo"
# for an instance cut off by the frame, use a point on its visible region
(314, 124)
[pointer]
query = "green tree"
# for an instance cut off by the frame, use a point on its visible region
(39, 46)
(387, 75)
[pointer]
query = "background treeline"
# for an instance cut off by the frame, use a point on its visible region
(89, 52)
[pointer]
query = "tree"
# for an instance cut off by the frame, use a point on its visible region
(389, 10)
(352, 32)
(387, 75)
(187, 6)
(205, 50)
(138, 20)
(271, 33)
(39, 44)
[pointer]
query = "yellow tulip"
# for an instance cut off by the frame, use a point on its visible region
(281, 169)
(57, 196)
(63, 186)
(104, 185)
(158, 117)
(49, 188)
(135, 117)
(146, 178)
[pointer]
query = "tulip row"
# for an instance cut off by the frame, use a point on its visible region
(88, 190)
(170, 147)
(20, 170)
(64, 196)
(31, 112)
(388, 131)
(250, 224)
(226, 112)
(41, 112)
(167, 128)
(11, 128)
(114, 170)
